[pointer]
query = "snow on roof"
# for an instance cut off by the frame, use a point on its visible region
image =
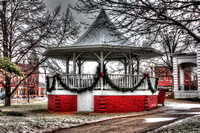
(102, 32)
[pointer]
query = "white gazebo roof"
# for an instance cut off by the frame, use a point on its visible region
(104, 37)
(102, 32)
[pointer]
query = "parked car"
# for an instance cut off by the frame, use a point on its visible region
(2, 96)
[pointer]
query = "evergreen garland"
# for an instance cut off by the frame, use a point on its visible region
(150, 86)
(113, 86)
(66, 87)
(107, 80)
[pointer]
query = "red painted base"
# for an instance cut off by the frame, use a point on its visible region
(119, 104)
(62, 103)
(104, 104)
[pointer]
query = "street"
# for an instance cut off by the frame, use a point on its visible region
(137, 124)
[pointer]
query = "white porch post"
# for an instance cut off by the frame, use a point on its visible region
(67, 66)
(198, 69)
(175, 74)
(79, 72)
(138, 65)
(125, 70)
(56, 84)
(125, 67)
(74, 63)
(67, 70)
(182, 78)
(101, 60)
(129, 67)
(74, 68)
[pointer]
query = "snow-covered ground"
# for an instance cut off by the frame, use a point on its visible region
(181, 106)
(37, 119)
(151, 120)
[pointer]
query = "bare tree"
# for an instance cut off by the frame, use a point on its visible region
(27, 26)
(171, 25)
(172, 41)
(141, 17)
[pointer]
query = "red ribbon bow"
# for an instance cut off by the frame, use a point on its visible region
(147, 75)
(56, 75)
(102, 75)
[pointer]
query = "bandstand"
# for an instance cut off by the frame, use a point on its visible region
(103, 93)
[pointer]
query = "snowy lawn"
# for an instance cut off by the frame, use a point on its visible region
(35, 118)
(188, 125)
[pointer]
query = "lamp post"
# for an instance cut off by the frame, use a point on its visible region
(151, 66)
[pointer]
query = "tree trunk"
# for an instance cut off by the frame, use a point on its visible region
(7, 100)
(28, 95)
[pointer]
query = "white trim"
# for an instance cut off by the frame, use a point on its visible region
(117, 93)
(85, 101)
(175, 74)
(186, 94)
(198, 69)
(190, 59)
(105, 93)
(61, 92)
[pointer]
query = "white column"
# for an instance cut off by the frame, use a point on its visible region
(182, 78)
(67, 70)
(125, 67)
(74, 63)
(125, 71)
(101, 68)
(175, 74)
(129, 64)
(74, 69)
(198, 68)
(138, 65)
(56, 85)
(153, 71)
(79, 72)
(67, 65)
(129, 67)
(175, 78)
(79, 66)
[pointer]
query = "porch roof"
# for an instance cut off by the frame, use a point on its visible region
(115, 52)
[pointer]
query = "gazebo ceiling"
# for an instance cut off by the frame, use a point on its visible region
(115, 52)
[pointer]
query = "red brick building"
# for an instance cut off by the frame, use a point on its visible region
(166, 78)
(30, 85)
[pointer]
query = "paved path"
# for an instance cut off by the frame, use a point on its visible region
(23, 101)
(132, 124)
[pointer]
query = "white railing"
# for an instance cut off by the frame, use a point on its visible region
(79, 80)
(86, 80)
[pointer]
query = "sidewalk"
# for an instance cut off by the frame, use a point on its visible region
(25, 100)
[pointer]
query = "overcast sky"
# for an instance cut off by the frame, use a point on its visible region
(89, 67)
(79, 17)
